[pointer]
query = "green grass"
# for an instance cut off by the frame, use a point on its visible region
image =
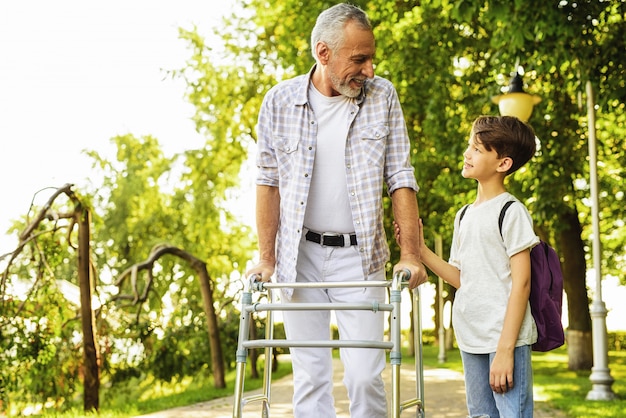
(567, 390)
(430, 358)
(561, 388)
(146, 395)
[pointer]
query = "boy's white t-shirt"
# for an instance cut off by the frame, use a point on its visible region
(483, 258)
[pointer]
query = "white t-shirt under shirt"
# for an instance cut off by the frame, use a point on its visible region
(483, 258)
(328, 208)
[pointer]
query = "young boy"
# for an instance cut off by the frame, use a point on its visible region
(491, 313)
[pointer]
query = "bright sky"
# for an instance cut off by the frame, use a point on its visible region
(74, 74)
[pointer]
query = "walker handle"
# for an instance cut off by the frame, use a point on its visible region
(404, 275)
(254, 280)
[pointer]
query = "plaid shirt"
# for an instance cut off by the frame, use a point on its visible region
(377, 149)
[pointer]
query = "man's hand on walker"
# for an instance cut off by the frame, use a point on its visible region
(264, 270)
(417, 269)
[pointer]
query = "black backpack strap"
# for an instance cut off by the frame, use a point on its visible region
(502, 213)
(463, 213)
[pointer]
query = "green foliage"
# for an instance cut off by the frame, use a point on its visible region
(39, 357)
(616, 341)
(133, 210)
(181, 352)
(149, 200)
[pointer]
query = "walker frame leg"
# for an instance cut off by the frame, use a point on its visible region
(242, 353)
(419, 350)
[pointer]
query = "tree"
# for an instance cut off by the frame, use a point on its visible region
(133, 216)
(31, 358)
(140, 295)
(146, 222)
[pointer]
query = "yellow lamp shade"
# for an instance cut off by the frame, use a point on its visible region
(519, 105)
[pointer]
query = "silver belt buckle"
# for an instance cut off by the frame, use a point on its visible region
(324, 235)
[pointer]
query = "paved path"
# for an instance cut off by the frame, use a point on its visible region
(444, 397)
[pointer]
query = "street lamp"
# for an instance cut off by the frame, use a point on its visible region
(600, 373)
(442, 330)
(515, 102)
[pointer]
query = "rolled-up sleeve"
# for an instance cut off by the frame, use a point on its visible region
(267, 174)
(399, 173)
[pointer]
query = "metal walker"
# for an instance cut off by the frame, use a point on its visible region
(398, 282)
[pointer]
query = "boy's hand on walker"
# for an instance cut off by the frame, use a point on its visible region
(396, 232)
(420, 233)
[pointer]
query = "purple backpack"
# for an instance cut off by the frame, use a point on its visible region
(546, 291)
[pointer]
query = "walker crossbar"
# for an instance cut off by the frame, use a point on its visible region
(385, 345)
(372, 306)
(260, 286)
(398, 282)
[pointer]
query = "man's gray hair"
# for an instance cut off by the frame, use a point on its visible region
(331, 22)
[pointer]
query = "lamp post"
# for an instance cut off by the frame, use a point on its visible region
(516, 102)
(442, 330)
(600, 373)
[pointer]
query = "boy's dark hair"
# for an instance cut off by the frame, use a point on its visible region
(508, 136)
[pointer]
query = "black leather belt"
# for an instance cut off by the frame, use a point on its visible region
(331, 240)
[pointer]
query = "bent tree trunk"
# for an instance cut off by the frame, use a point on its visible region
(206, 289)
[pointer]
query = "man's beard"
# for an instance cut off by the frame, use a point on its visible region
(343, 87)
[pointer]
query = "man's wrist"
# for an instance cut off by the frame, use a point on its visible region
(413, 257)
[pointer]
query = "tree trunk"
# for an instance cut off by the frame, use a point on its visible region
(217, 357)
(91, 384)
(571, 248)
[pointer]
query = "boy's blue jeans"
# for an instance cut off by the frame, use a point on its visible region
(484, 402)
